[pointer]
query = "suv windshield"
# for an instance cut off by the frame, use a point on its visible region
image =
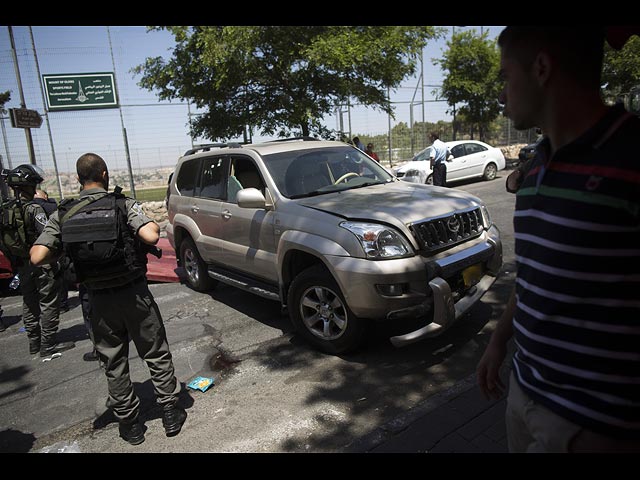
(309, 172)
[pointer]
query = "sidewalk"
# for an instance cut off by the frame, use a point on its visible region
(458, 420)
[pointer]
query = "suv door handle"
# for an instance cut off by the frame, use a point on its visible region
(195, 209)
(227, 214)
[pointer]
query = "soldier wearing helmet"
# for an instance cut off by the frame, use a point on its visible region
(40, 286)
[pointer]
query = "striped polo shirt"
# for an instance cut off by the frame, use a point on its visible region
(577, 239)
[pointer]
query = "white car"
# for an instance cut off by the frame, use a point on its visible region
(469, 159)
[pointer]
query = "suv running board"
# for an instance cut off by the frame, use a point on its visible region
(249, 284)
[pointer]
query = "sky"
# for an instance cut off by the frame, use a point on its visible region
(156, 131)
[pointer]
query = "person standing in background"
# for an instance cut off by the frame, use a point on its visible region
(369, 151)
(40, 285)
(439, 154)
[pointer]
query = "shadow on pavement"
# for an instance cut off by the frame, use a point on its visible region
(15, 441)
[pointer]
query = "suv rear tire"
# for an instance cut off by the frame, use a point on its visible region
(196, 270)
(320, 313)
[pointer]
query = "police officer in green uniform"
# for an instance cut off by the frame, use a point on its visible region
(122, 307)
(40, 286)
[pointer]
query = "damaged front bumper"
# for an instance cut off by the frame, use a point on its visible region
(445, 310)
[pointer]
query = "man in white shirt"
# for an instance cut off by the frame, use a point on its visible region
(438, 156)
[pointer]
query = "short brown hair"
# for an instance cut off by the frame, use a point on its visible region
(89, 168)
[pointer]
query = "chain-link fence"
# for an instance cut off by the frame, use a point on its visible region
(150, 135)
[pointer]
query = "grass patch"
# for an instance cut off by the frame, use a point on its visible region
(148, 194)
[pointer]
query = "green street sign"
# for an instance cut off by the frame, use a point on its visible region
(81, 91)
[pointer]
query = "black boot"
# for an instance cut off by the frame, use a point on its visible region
(91, 356)
(132, 432)
(34, 346)
(173, 418)
(46, 351)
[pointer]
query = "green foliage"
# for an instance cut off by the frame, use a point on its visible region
(4, 98)
(148, 194)
(471, 66)
(621, 69)
(281, 80)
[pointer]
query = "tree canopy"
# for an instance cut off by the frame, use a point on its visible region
(4, 98)
(621, 69)
(471, 66)
(282, 80)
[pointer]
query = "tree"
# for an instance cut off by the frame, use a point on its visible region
(621, 69)
(281, 79)
(4, 98)
(471, 66)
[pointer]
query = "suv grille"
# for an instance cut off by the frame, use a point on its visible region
(439, 233)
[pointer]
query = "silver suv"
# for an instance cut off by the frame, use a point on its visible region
(324, 229)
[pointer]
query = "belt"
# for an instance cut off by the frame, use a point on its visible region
(119, 288)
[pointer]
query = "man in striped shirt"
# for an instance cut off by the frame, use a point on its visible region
(575, 310)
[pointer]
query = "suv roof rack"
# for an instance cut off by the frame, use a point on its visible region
(208, 146)
(203, 148)
(304, 139)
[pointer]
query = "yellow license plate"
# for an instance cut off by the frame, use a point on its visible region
(472, 275)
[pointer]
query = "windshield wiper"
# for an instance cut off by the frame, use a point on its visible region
(368, 184)
(313, 193)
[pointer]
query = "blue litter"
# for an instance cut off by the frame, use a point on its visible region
(201, 383)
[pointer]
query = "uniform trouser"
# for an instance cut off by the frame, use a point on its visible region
(117, 316)
(40, 287)
(85, 304)
(440, 174)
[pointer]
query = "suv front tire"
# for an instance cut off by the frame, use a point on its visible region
(320, 314)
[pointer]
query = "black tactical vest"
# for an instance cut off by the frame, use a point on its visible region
(98, 240)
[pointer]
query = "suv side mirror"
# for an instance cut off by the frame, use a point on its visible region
(251, 198)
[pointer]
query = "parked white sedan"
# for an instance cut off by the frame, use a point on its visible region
(469, 159)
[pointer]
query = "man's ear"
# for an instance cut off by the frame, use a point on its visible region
(542, 67)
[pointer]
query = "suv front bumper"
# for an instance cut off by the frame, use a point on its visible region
(430, 294)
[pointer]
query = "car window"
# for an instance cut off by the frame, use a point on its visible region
(458, 151)
(473, 148)
(244, 173)
(213, 176)
(188, 177)
(422, 156)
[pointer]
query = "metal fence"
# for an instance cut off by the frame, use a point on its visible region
(149, 134)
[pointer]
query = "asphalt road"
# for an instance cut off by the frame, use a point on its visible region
(272, 392)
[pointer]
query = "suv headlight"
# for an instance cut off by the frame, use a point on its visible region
(486, 217)
(379, 241)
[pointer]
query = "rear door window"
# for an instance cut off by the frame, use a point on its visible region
(213, 177)
(188, 177)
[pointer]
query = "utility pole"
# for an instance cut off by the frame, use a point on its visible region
(44, 102)
(27, 131)
(124, 130)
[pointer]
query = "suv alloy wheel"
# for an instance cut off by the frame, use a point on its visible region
(194, 266)
(320, 314)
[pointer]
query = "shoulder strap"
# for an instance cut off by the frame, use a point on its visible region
(74, 209)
